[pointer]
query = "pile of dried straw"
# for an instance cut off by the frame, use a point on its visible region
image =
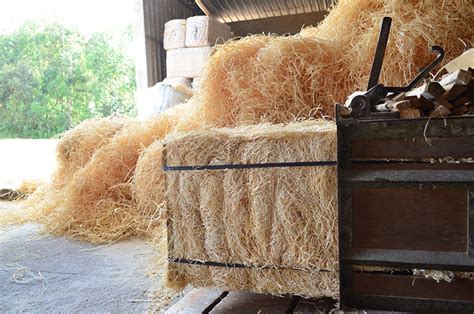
(278, 78)
(280, 222)
(92, 193)
(282, 218)
(90, 196)
(101, 191)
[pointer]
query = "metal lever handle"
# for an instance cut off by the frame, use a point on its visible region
(380, 52)
(424, 73)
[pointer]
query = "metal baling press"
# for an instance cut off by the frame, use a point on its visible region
(361, 105)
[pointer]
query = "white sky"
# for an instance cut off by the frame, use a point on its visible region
(87, 15)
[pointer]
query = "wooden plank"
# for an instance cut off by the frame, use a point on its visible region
(453, 127)
(444, 103)
(461, 101)
(248, 302)
(322, 305)
(196, 301)
(440, 111)
(406, 177)
(425, 102)
(413, 148)
(414, 287)
(459, 76)
(463, 61)
(410, 113)
(412, 166)
(410, 219)
(412, 259)
(460, 111)
(435, 89)
(453, 91)
(414, 102)
(469, 93)
(471, 223)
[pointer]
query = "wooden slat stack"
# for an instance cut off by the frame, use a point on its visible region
(453, 95)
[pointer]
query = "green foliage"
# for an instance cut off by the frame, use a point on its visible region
(52, 78)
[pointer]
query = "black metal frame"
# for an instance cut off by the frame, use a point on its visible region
(349, 129)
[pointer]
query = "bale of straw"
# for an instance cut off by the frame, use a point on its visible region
(280, 78)
(284, 218)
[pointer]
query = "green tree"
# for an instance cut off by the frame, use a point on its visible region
(52, 78)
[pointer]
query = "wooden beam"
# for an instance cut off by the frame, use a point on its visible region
(196, 301)
(248, 302)
(322, 305)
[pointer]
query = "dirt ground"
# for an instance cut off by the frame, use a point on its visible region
(40, 273)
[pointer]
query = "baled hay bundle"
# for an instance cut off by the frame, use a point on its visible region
(279, 79)
(282, 218)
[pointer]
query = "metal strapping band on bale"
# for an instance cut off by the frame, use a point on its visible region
(252, 166)
(229, 265)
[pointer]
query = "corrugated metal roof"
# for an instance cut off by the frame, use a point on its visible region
(242, 10)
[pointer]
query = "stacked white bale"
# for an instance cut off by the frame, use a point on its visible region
(185, 58)
(175, 34)
(205, 31)
(186, 62)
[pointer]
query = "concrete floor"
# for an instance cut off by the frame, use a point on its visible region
(23, 159)
(41, 273)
